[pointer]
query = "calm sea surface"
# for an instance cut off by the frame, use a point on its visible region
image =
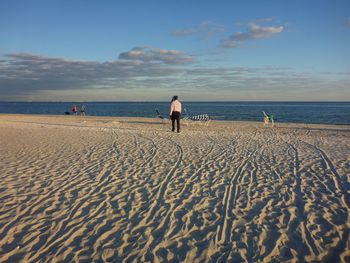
(301, 112)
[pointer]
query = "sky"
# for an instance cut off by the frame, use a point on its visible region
(200, 50)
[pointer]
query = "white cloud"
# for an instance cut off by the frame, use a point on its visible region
(145, 54)
(264, 32)
(254, 32)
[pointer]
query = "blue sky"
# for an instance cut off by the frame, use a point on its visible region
(150, 50)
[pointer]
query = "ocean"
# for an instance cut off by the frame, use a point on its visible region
(297, 112)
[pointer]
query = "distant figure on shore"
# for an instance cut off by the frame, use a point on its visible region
(175, 113)
(75, 110)
(268, 119)
(82, 110)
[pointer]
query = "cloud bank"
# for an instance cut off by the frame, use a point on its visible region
(152, 74)
(24, 73)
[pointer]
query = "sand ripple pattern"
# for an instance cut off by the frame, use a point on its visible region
(135, 192)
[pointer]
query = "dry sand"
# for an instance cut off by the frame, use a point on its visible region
(115, 189)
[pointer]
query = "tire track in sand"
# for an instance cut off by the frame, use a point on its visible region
(153, 215)
(223, 235)
(328, 166)
(161, 190)
(301, 217)
(340, 192)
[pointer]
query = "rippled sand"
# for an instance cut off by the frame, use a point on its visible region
(117, 189)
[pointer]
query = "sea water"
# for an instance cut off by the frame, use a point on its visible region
(297, 112)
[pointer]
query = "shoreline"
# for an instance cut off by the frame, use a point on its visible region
(155, 119)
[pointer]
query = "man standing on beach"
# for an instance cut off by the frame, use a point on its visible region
(82, 110)
(175, 113)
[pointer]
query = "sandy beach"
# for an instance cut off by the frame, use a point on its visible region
(82, 189)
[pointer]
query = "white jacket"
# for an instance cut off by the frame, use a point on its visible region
(175, 106)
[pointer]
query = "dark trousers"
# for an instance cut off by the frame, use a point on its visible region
(175, 116)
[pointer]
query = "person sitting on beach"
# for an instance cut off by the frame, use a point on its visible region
(268, 118)
(175, 113)
(75, 110)
(82, 110)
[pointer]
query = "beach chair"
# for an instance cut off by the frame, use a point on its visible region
(268, 119)
(159, 115)
(199, 118)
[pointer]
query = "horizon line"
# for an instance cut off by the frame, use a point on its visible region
(146, 101)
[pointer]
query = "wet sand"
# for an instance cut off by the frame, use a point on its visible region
(77, 189)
